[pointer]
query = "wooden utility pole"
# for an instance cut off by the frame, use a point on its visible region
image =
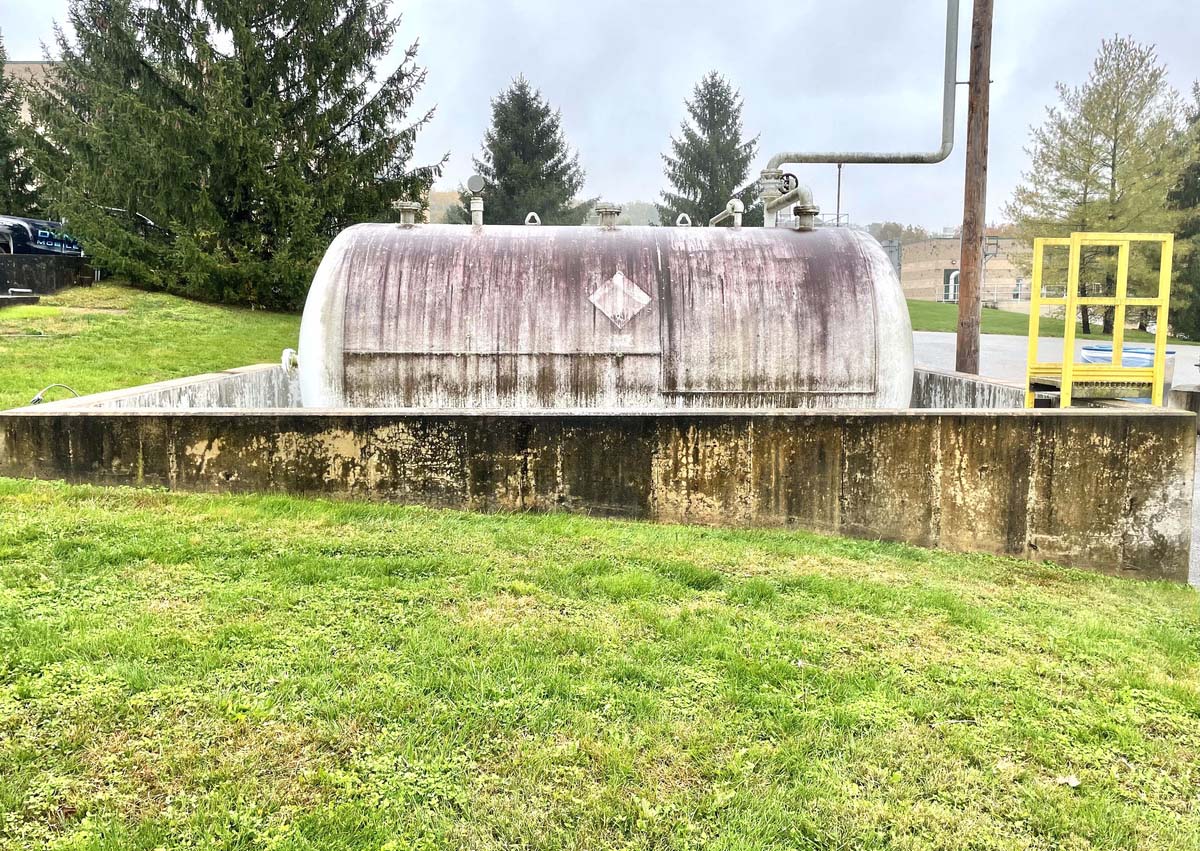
(974, 224)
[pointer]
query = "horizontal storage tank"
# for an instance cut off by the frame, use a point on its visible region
(626, 318)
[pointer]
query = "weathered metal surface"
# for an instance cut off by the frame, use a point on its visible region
(628, 318)
(1105, 490)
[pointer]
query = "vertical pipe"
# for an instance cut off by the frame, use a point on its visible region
(838, 215)
(975, 193)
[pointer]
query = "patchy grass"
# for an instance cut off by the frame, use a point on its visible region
(940, 316)
(211, 672)
(106, 337)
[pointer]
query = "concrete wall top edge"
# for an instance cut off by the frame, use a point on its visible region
(94, 400)
(592, 413)
(134, 398)
(982, 379)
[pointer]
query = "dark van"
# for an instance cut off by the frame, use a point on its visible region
(35, 236)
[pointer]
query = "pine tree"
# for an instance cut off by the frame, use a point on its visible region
(709, 161)
(1105, 159)
(18, 195)
(1185, 198)
(214, 149)
(526, 164)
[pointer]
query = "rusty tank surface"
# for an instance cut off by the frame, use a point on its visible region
(613, 318)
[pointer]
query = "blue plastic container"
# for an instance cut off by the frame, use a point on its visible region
(1131, 355)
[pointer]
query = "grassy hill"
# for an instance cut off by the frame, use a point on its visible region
(106, 337)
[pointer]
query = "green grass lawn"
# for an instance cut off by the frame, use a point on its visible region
(210, 672)
(105, 337)
(940, 316)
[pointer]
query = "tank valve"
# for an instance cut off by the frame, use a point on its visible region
(806, 216)
(608, 213)
(475, 186)
(533, 220)
(684, 221)
(408, 212)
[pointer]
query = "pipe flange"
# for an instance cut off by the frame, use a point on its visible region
(608, 213)
(806, 216)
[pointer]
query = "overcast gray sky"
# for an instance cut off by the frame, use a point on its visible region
(849, 75)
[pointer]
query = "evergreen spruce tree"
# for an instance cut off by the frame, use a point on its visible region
(18, 195)
(1105, 159)
(214, 149)
(1185, 198)
(709, 160)
(526, 164)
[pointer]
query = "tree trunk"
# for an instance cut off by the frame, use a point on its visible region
(1110, 285)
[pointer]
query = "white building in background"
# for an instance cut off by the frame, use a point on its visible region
(929, 271)
(27, 72)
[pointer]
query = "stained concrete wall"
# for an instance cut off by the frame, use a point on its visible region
(935, 388)
(1185, 398)
(259, 387)
(1105, 490)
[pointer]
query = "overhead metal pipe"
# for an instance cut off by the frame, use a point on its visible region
(949, 89)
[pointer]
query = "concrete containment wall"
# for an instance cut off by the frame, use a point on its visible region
(264, 386)
(935, 388)
(259, 387)
(1185, 398)
(1105, 490)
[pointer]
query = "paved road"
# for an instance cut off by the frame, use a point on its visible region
(1003, 356)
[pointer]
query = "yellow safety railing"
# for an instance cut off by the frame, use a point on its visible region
(1068, 373)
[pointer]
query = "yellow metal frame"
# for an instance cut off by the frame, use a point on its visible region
(1069, 372)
